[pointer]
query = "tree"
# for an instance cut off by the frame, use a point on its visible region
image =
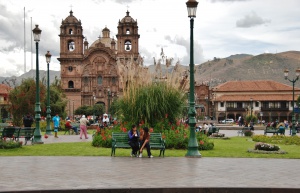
(23, 99)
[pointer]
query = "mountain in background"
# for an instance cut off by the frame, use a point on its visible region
(219, 70)
(248, 67)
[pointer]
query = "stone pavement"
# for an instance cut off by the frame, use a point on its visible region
(82, 173)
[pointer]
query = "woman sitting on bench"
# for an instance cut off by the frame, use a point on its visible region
(69, 126)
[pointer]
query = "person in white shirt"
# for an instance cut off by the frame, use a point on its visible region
(105, 120)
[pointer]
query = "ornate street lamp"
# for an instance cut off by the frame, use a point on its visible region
(251, 108)
(193, 144)
(286, 73)
(48, 127)
(37, 133)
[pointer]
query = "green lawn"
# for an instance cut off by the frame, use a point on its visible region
(234, 147)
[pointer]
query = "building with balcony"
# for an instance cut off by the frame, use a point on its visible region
(4, 102)
(267, 99)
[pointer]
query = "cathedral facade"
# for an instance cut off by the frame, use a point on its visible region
(93, 74)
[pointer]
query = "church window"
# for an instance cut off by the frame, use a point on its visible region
(71, 45)
(70, 31)
(113, 80)
(86, 80)
(99, 80)
(70, 84)
(127, 45)
(70, 68)
(127, 31)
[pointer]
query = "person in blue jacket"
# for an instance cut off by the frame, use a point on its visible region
(134, 136)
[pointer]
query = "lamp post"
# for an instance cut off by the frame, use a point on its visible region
(286, 73)
(37, 132)
(108, 99)
(192, 145)
(48, 127)
(251, 108)
(73, 111)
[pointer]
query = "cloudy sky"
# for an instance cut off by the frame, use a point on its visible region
(222, 28)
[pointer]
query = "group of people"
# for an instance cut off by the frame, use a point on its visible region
(204, 128)
(138, 141)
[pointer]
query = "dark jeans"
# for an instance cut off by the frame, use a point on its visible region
(135, 146)
(147, 146)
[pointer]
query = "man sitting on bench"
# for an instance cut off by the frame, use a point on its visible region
(105, 121)
(69, 126)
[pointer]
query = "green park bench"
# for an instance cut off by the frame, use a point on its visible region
(212, 130)
(2, 125)
(27, 133)
(120, 140)
(9, 132)
(280, 130)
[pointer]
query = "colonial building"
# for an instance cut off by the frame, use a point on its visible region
(93, 74)
(267, 99)
(4, 102)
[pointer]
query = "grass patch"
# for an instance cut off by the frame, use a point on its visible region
(236, 147)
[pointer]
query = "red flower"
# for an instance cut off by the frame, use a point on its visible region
(164, 137)
(172, 127)
(177, 131)
(21, 142)
(142, 122)
(104, 138)
(178, 123)
(201, 142)
(166, 115)
(151, 130)
(46, 136)
(124, 129)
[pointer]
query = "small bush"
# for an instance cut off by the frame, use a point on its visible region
(278, 139)
(248, 133)
(266, 147)
(10, 144)
(102, 139)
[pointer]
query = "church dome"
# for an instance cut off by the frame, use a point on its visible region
(127, 19)
(71, 18)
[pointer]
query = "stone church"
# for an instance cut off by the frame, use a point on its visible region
(92, 74)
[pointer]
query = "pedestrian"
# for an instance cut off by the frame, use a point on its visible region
(27, 120)
(83, 126)
(56, 120)
(144, 142)
(105, 120)
(134, 136)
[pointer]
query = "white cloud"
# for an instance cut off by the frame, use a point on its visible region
(161, 24)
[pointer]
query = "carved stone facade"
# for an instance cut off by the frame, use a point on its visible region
(93, 74)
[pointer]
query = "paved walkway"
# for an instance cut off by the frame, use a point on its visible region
(68, 172)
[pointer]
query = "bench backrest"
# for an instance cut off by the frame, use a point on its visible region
(26, 132)
(156, 139)
(10, 132)
(120, 137)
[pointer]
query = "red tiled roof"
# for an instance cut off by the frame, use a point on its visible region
(253, 85)
(260, 97)
(4, 89)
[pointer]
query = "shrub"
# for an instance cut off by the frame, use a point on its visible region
(176, 137)
(102, 139)
(266, 147)
(248, 133)
(10, 144)
(278, 139)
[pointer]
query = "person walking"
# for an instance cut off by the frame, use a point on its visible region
(83, 126)
(134, 136)
(144, 142)
(56, 120)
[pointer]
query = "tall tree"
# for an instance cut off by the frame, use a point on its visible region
(23, 99)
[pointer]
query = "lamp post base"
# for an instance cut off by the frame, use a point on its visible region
(38, 139)
(193, 153)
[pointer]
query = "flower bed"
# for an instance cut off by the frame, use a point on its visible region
(10, 144)
(266, 148)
